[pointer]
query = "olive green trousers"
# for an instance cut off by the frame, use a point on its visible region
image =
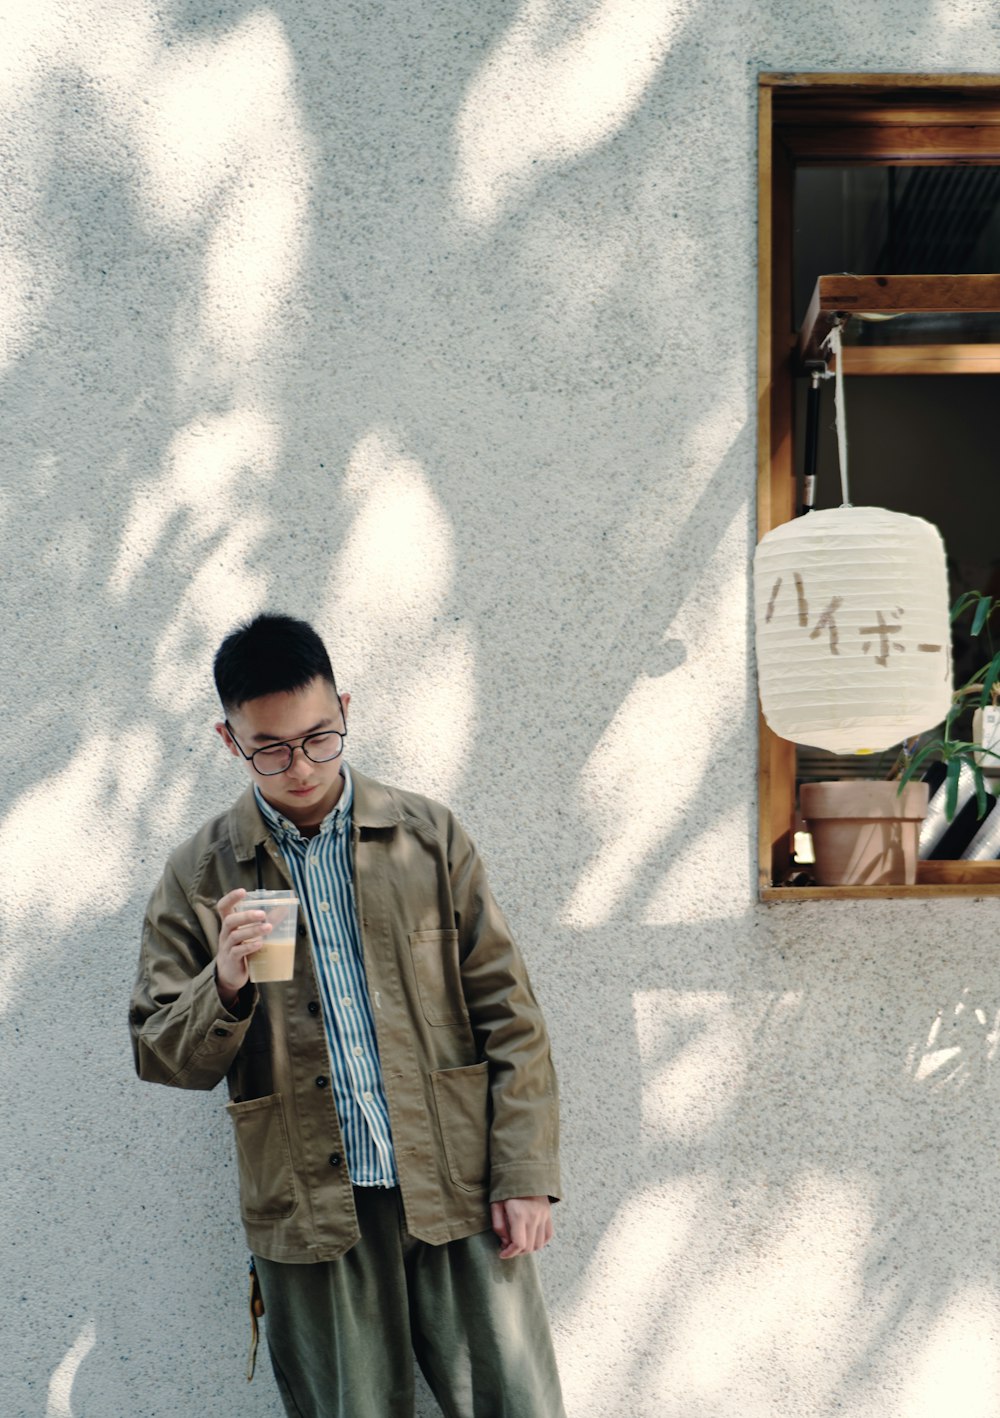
(342, 1334)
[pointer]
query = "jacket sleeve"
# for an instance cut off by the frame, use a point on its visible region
(510, 1033)
(182, 1033)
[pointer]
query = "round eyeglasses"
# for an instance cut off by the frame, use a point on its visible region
(277, 757)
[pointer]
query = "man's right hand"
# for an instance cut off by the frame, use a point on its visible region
(242, 935)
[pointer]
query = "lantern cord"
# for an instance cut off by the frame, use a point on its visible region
(812, 443)
(835, 343)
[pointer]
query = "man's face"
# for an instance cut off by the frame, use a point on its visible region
(306, 791)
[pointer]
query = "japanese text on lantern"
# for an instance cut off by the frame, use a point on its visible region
(880, 635)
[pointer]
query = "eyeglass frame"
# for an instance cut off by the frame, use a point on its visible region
(291, 746)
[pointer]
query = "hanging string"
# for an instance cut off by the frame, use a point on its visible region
(835, 344)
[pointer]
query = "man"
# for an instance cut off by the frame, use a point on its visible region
(394, 1104)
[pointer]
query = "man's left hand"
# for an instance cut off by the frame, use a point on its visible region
(523, 1224)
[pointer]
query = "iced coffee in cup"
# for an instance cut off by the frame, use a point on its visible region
(276, 958)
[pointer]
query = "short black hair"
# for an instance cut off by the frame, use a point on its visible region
(271, 654)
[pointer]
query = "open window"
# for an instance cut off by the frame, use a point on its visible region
(894, 179)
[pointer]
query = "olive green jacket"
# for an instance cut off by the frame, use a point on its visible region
(465, 1055)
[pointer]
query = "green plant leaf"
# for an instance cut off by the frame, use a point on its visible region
(968, 598)
(931, 749)
(977, 777)
(951, 792)
(956, 708)
(989, 677)
(982, 612)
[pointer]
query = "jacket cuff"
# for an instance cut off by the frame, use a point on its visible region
(222, 1031)
(243, 1005)
(510, 1179)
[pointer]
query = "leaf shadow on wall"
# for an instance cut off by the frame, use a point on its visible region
(725, 1134)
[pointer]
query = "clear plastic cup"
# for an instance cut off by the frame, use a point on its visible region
(276, 958)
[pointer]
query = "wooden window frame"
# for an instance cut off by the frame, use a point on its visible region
(843, 120)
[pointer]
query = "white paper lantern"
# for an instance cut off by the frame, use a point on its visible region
(853, 639)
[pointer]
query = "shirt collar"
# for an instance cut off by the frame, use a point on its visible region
(338, 819)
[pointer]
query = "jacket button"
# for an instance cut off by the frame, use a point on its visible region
(302, 929)
(321, 1081)
(221, 1033)
(313, 1007)
(334, 1159)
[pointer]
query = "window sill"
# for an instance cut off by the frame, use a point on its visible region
(922, 892)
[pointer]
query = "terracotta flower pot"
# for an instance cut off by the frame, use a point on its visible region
(864, 832)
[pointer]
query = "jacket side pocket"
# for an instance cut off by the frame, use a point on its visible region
(267, 1183)
(462, 1099)
(439, 979)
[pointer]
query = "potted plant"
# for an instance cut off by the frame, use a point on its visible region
(864, 831)
(869, 832)
(961, 756)
(956, 753)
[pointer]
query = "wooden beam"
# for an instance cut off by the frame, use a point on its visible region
(892, 110)
(802, 894)
(775, 462)
(915, 295)
(964, 144)
(922, 359)
(834, 297)
(876, 83)
(764, 295)
(765, 268)
(958, 873)
(888, 118)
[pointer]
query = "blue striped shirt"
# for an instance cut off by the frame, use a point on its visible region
(321, 871)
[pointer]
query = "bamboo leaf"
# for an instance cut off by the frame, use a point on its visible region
(979, 619)
(977, 776)
(953, 713)
(920, 758)
(989, 677)
(968, 598)
(951, 792)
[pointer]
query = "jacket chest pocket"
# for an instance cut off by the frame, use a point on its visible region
(267, 1184)
(439, 980)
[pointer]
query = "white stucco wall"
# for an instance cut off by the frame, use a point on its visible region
(435, 324)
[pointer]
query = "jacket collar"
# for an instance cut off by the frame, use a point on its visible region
(374, 804)
(373, 807)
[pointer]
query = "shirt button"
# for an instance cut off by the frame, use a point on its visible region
(358, 1051)
(313, 1007)
(334, 955)
(347, 1001)
(321, 1081)
(367, 1096)
(324, 905)
(334, 1159)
